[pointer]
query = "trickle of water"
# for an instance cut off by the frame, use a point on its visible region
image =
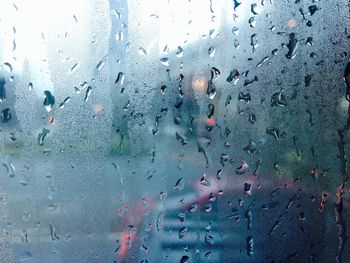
(49, 100)
(100, 65)
(159, 222)
(179, 185)
(74, 67)
(53, 234)
(249, 217)
(292, 46)
(250, 246)
(87, 93)
(262, 61)
(63, 103)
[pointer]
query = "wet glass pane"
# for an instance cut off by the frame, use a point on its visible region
(174, 131)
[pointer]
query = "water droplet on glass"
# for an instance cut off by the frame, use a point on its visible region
(181, 137)
(244, 96)
(183, 232)
(5, 115)
(235, 30)
(211, 90)
(211, 109)
(262, 61)
(119, 36)
(209, 239)
(179, 52)
(252, 22)
(8, 66)
(42, 135)
(74, 67)
(142, 51)
(87, 93)
(313, 9)
(49, 100)
(202, 146)
(164, 61)
(242, 168)
(292, 46)
(120, 79)
(163, 89)
(63, 103)
(249, 82)
(254, 9)
(273, 132)
(254, 41)
(185, 259)
(278, 99)
(26, 217)
(236, 44)
(211, 52)
(179, 185)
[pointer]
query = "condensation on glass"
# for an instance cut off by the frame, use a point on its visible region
(174, 131)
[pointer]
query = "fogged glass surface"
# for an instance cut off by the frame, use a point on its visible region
(174, 131)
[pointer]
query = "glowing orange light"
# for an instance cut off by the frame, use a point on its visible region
(211, 121)
(198, 84)
(292, 23)
(98, 108)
